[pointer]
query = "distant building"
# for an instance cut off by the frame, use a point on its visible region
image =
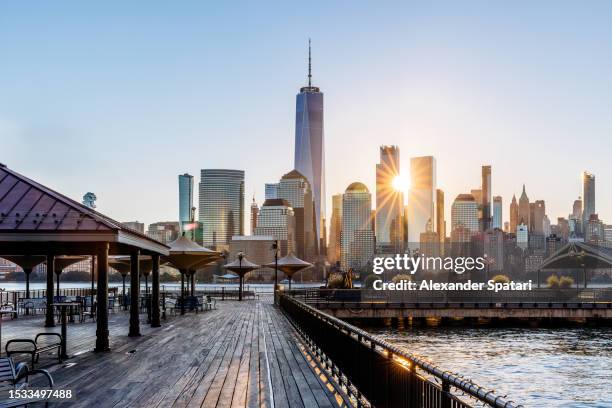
(486, 200)
(594, 232)
(506, 227)
(389, 202)
(295, 189)
(497, 212)
(464, 213)
(309, 157)
(135, 225)
(522, 236)
(524, 209)
(537, 212)
(221, 209)
(421, 198)
(257, 249)
(440, 221)
(563, 228)
(553, 244)
(185, 182)
(357, 247)
(254, 213)
(493, 243)
(335, 230)
(588, 196)
(164, 231)
(276, 218)
(514, 215)
(607, 231)
(271, 191)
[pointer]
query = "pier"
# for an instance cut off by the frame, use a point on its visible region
(242, 354)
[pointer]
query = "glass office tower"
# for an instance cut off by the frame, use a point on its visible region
(310, 149)
(221, 209)
(588, 196)
(421, 199)
(389, 202)
(185, 200)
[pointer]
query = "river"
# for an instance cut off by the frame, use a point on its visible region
(539, 367)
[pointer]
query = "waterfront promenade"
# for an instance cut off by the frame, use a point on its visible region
(243, 354)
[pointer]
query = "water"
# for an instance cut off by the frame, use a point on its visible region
(539, 367)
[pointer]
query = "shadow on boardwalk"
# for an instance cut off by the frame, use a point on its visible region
(244, 354)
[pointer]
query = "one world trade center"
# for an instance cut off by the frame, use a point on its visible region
(310, 148)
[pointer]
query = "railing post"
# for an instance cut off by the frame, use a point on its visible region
(413, 396)
(446, 398)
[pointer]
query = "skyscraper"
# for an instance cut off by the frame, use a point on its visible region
(588, 196)
(254, 213)
(221, 209)
(295, 189)
(464, 213)
(357, 233)
(497, 212)
(537, 212)
(185, 182)
(440, 222)
(276, 218)
(389, 202)
(514, 215)
(421, 199)
(271, 191)
(335, 229)
(523, 209)
(310, 147)
(485, 220)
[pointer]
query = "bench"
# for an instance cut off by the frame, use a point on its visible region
(17, 377)
(210, 303)
(40, 344)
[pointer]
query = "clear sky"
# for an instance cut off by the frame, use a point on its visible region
(120, 97)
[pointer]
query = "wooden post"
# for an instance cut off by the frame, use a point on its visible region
(93, 274)
(155, 295)
(49, 321)
(134, 293)
(102, 343)
(193, 283)
(57, 281)
(183, 271)
(123, 294)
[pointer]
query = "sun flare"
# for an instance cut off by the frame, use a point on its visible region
(400, 183)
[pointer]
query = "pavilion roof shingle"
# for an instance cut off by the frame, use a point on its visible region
(26, 205)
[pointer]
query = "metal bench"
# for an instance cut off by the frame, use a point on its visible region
(16, 377)
(36, 347)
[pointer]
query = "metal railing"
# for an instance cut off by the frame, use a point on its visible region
(542, 297)
(13, 296)
(377, 373)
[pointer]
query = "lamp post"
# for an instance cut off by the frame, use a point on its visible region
(275, 249)
(240, 256)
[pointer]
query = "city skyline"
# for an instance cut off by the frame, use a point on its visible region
(415, 91)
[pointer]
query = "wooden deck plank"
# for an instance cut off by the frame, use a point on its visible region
(244, 354)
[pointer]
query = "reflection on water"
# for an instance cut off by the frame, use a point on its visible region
(539, 367)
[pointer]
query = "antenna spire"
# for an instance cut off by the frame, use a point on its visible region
(309, 66)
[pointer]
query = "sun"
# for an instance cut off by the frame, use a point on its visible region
(400, 183)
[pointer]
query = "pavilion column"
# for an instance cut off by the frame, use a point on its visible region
(93, 274)
(57, 281)
(134, 293)
(193, 283)
(123, 294)
(102, 343)
(27, 272)
(183, 272)
(155, 321)
(49, 321)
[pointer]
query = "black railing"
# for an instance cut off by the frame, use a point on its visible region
(377, 373)
(13, 296)
(602, 297)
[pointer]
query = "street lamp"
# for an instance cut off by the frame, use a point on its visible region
(275, 249)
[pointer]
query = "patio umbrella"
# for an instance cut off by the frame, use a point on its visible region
(241, 266)
(289, 265)
(62, 262)
(123, 268)
(27, 263)
(185, 254)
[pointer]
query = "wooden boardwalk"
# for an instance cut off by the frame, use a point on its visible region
(244, 354)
